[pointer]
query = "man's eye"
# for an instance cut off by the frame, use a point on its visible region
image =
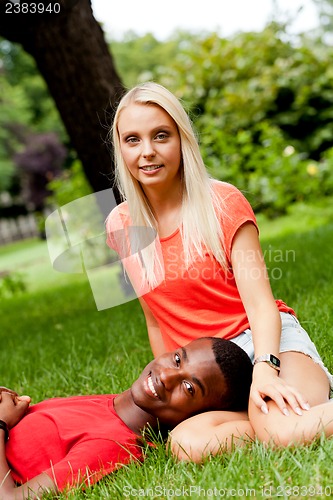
(177, 359)
(189, 387)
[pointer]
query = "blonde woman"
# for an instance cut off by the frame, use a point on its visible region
(205, 275)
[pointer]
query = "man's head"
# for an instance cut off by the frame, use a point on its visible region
(207, 374)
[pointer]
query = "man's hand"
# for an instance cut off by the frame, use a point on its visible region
(4, 389)
(13, 408)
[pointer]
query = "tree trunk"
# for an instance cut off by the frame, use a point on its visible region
(72, 56)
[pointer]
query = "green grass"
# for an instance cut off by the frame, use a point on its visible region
(30, 258)
(55, 343)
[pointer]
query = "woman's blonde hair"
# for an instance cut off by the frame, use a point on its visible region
(200, 227)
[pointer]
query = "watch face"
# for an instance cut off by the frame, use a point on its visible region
(275, 361)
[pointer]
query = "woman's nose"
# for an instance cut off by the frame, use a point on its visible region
(148, 150)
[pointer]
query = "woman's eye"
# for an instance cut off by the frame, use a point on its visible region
(131, 139)
(189, 388)
(177, 359)
(161, 136)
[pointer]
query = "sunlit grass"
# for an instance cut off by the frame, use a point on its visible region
(54, 342)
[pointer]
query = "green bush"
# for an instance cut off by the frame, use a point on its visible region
(265, 167)
(11, 284)
(69, 186)
(263, 109)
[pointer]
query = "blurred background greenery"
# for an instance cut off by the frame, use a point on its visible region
(261, 102)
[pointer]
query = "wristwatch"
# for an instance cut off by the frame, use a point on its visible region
(272, 360)
(4, 427)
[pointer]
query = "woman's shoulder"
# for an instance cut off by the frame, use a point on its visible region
(230, 202)
(119, 213)
(224, 189)
(121, 209)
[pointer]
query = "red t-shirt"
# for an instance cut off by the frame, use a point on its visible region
(74, 440)
(202, 300)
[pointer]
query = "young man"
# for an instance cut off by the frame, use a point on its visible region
(64, 442)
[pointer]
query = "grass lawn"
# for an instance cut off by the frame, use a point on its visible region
(54, 342)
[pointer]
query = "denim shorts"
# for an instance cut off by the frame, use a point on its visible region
(293, 338)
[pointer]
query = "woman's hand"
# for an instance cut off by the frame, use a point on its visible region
(267, 384)
(13, 408)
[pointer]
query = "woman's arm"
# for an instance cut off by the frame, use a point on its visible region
(154, 332)
(12, 410)
(255, 291)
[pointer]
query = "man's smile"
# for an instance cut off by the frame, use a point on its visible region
(150, 388)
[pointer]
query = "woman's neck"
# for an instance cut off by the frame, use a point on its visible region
(132, 415)
(166, 208)
(163, 199)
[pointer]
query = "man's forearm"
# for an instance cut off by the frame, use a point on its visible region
(7, 484)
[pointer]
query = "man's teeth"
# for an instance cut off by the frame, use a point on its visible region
(153, 167)
(151, 387)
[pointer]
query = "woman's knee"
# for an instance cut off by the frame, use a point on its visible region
(274, 429)
(183, 444)
(190, 440)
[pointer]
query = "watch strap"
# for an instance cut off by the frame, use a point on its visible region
(270, 359)
(4, 427)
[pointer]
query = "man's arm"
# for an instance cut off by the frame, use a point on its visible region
(12, 410)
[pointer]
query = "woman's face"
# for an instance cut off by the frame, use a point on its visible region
(150, 145)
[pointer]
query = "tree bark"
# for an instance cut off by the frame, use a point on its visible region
(71, 54)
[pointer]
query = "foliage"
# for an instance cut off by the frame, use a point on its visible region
(11, 284)
(271, 173)
(69, 186)
(257, 76)
(325, 8)
(139, 57)
(252, 98)
(26, 110)
(20, 72)
(262, 106)
(40, 161)
(13, 118)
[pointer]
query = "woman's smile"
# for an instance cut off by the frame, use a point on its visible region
(151, 169)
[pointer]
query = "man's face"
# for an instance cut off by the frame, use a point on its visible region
(181, 383)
